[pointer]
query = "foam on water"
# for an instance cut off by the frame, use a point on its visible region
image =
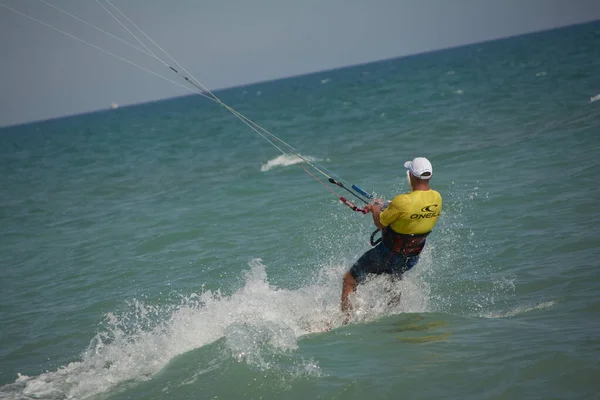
(519, 310)
(256, 322)
(284, 160)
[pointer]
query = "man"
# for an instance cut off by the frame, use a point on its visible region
(405, 224)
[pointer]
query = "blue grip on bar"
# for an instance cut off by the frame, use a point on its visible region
(362, 192)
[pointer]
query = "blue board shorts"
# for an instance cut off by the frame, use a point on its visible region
(381, 260)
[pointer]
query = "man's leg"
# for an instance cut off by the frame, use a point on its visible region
(348, 286)
(394, 297)
(399, 266)
(365, 265)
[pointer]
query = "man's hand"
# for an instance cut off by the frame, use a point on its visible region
(375, 207)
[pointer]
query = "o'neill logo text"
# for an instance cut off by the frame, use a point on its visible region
(427, 212)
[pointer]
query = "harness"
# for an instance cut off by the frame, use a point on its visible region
(403, 244)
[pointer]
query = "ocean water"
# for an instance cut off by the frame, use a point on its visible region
(166, 251)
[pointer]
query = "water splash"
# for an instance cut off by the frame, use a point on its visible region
(260, 324)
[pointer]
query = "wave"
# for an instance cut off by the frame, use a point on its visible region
(519, 310)
(254, 323)
(284, 160)
(595, 98)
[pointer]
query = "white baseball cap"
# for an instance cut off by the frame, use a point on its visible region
(420, 167)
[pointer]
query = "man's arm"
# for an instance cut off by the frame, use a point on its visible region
(375, 210)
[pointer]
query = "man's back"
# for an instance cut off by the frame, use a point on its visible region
(415, 212)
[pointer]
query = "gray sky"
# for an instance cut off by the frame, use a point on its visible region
(224, 43)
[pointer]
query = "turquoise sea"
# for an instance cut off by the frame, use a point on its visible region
(166, 251)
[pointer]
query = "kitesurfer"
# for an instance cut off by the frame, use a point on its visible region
(405, 224)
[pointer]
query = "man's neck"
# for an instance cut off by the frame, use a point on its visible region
(421, 186)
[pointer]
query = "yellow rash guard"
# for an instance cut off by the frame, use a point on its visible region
(415, 212)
